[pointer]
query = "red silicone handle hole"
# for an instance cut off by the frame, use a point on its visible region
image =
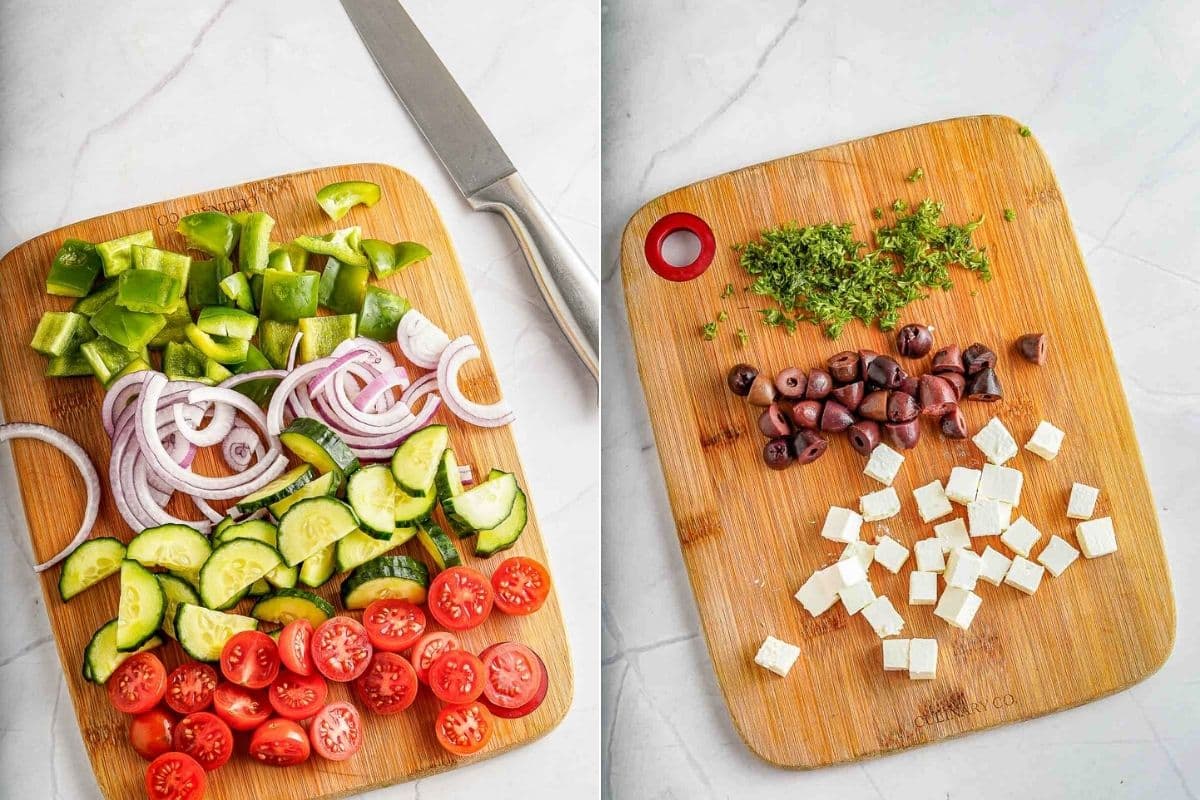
(672, 223)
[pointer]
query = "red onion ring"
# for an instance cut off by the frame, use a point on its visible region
(380, 358)
(378, 388)
(294, 350)
(420, 340)
(457, 353)
(219, 425)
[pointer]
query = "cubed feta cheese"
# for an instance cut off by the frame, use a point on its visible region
(988, 517)
(1057, 555)
(1096, 537)
(890, 554)
(922, 659)
(932, 502)
(857, 597)
(930, 557)
(963, 486)
(841, 524)
(1046, 441)
(1024, 575)
(958, 606)
(1083, 501)
(883, 464)
(777, 656)
(1001, 483)
(922, 588)
(952, 534)
(995, 442)
(962, 569)
(1021, 536)
(864, 552)
(879, 505)
(845, 573)
(882, 616)
(818, 594)
(995, 566)
(895, 655)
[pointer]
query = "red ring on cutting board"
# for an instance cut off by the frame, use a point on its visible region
(671, 223)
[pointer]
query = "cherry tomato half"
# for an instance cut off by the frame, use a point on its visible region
(341, 649)
(204, 737)
(428, 648)
(138, 684)
(393, 624)
(279, 743)
(297, 696)
(460, 598)
(464, 730)
(336, 733)
(521, 585)
(389, 685)
(150, 733)
(190, 687)
(242, 709)
(250, 659)
(517, 680)
(174, 776)
(456, 677)
(294, 642)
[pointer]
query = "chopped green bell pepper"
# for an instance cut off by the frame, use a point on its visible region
(289, 296)
(177, 265)
(387, 259)
(323, 334)
(254, 246)
(139, 364)
(225, 321)
(204, 282)
(259, 391)
(133, 330)
(289, 257)
(237, 289)
(59, 332)
(342, 244)
(275, 338)
(342, 287)
(69, 365)
(97, 299)
(210, 232)
(108, 358)
(338, 198)
(178, 318)
(182, 361)
(381, 312)
(116, 255)
(148, 290)
(74, 269)
(225, 349)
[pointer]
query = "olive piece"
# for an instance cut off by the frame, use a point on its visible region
(844, 366)
(948, 359)
(864, 435)
(820, 384)
(902, 407)
(807, 414)
(849, 395)
(740, 377)
(903, 435)
(985, 387)
(1032, 348)
(911, 385)
(874, 405)
(865, 357)
(937, 395)
(914, 341)
(885, 373)
(791, 383)
(954, 424)
(809, 446)
(762, 391)
(778, 453)
(956, 380)
(977, 358)
(773, 421)
(835, 417)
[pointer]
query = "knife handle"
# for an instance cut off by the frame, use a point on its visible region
(570, 289)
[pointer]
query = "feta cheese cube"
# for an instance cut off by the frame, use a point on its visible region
(1024, 575)
(879, 505)
(818, 594)
(932, 502)
(846, 573)
(922, 659)
(1001, 483)
(963, 485)
(995, 442)
(952, 534)
(857, 597)
(1046, 441)
(962, 569)
(841, 524)
(1096, 537)
(895, 655)
(995, 566)
(891, 554)
(1057, 555)
(1021, 536)
(1083, 501)
(883, 617)
(864, 552)
(958, 606)
(777, 656)
(883, 464)
(922, 588)
(988, 517)
(930, 557)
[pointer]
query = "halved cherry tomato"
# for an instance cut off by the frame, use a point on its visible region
(336, 732)
(521, 584)
(190, 687)
(393, 624)
(464, 730)
(428, 648)
(460, 598)
(517, 680)
(279, 743)
(456, 677)
(174, 776)
(294, 642)
(150, 733)
(341, 649)
(204, 737)
(297, 696)
(389, 685)
(242, 709)
(250, 659)
(138, 684)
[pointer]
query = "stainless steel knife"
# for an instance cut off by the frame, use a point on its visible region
(480, 168)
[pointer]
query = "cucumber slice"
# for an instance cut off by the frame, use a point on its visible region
(177, 548)
(438, 545)
(232, 567)
(311, 525)
(415, 462)
(318, 568)
(140, 612)
(384, 577)
(92, 562)
(286, 484)
(283, 576)
(485, 506)
(203, 632)
(220, 526)
(177, 591)
(257, 529)
(372, 494)
(414, 508)
(492, 540)
(101, 657)
(314, 443)
(359, 548)
(319, 486)
(447, 480)
(291, 604)
(259, 588)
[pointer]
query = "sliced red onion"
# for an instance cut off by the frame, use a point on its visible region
(420, 387)
(457, 353)
(378, 388)
(370, 422)
(257, 375)
(123, 390)
(294, 350)
(219, 424)
(295, 379)
(420, 340)
(380, 358)
(157, 514)
(241, 447)
(466, 474)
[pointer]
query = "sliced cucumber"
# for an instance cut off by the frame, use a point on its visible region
(177, 548)
(92, 562)
(415, 462)
(233, 567)
(259, 588)
(101, 657)
(484, 506)
(372, 494)
(141, 609)
(319, 486)
(318, 568)
(439, 546)
(286, 605)
(385, 577)
(448, 481)
(312, 525)
(220, 526)
(283, 576)
(257, 529)
(314, 443)
(177, 591)
(504, 535)
(203, 632)
(286, 484)
(411, 509)
(359, 548)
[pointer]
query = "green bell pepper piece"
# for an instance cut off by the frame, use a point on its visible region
(259, 391)
(148, 290)
(108, 358)
(254, 247)
(204, 282)
(226, 349)
(116, 255)
(74, 269)
(387, 259)
(342, 287)
(236, 289)
(338, 198)
(216, 372)
(68, 365)
(323, 334)
(178, 318)
(225, 321)
(289, 257)
(210, 232)
(289, 296)
(95, 301)
(59, 332)
(177, 265)
(182, 361)
(381, 312)
(139, 364)
(275, 338)
(342, 244)
(133, 330)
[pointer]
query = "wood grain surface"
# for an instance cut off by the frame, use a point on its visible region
(750, 536)
(396, 748)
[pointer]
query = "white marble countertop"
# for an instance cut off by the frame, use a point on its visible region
(1110, 89)
(109, 105)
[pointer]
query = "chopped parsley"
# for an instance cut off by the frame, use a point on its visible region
(774, 318)
(915, 175)
(728, 291)
(1009, 214)
(742, 336)
(899, 205)
(877, 212)
(709, 331)
(1024, 131)
(722, 316)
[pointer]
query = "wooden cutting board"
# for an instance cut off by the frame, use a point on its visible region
(396, 748)
(750, 536)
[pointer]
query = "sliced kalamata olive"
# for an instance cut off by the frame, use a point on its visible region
(740, 377)
(1032, 347)
(849, 395)
(809, 446)
(835, 417)
(762, 391)
(902, 407)
(948, 359)
(844, 366)
(914, 341)
(774, 422)
(955, 379)
(791, 383)
(985, 387)
(911, 385)
(937, 394)
(778, 453)
(885, 373)
(820, 384)
(903, 435)
(864, 435)
(874, 405)
(865, 357)
(807, 414)
(977, 358)
(954, 424)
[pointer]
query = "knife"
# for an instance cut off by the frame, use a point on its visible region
(480, 168)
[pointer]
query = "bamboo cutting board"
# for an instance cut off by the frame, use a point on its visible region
(396, 748)
(750, 536)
